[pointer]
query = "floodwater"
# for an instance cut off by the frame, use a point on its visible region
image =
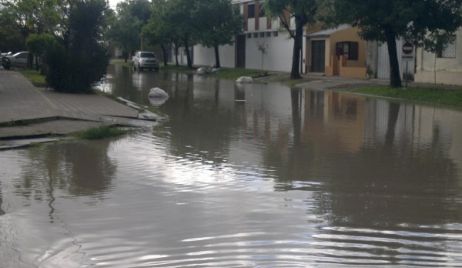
(251, 176)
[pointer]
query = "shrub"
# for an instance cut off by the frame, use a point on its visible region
(79, 59)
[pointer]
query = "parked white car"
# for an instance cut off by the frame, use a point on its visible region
(20, 59)
(145, 60)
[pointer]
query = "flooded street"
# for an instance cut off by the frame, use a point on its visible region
(242, 176)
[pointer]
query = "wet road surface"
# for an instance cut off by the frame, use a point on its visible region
(242, 176)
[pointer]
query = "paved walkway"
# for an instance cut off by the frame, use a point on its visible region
(41, 108)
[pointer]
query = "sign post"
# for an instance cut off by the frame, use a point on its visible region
(408, 55)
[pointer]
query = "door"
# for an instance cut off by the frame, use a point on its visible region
(240, 51)
(318, 56)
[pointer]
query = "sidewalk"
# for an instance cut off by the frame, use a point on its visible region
(27, 111)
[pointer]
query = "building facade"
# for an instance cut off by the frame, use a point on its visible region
(443, 67)
(263, 45)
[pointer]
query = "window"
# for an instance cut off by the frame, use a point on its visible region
(262, 34)
(449, 51)
(268, 34)
(249, 35)
(275, 33)
(255, 35)
(347, 49)
(251, 11)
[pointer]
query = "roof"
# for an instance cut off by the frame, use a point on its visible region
(330, 31)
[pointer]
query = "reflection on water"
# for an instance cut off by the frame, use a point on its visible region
(2, 212)
(242, 176)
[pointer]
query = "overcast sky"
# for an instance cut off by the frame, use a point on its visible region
(113, 3)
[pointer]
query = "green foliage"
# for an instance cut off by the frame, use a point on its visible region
(439, 96)
(80, 59)
(391, 19)
(39, 43)
(158, 31)
(437, 41)
(180, 15)
(11, 38)
(126, 28)
(219, 22)
(101, 133)
(35, 16)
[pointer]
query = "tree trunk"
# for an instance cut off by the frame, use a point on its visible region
(188, 54)
(176, 55)
(395, 77)
(217, 56)
(434, 68)
(164, 54)
(298, 44)
(37, 66)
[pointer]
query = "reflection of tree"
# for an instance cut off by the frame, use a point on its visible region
(197, 126)
(393, 112)
(81, 168)
(295, 95)
(379, 184)
(1, 201)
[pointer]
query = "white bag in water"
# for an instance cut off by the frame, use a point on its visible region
(157, 96)
(244, 79)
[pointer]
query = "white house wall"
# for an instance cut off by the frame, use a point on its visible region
(204, 56)
(383, 71)
(448, 70)
(278, 56)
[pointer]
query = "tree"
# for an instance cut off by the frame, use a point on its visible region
(38, 44)
(181, 19)
(35, 16)
(436, 42)
(79, 58)
(388, 20)
(219, 22)
(11, 38)
(125, 29)
(304, 13)
(158, 31)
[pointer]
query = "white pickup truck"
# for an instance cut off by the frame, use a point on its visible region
(145, 60)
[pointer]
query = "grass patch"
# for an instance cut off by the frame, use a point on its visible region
(439, 96)
(101, 133)
(35, 77)
(235, 73)
(121, 62)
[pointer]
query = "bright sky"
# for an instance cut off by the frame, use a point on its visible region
(113, 3)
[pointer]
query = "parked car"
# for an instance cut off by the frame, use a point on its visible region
(20, 59)
(145, 60)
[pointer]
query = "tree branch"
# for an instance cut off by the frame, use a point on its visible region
(286, 25)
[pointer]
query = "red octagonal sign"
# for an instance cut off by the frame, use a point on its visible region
(408, 48)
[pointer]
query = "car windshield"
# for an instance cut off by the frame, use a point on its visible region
(20, 54)
(147, 55)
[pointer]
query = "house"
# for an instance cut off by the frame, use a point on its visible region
(263, 44)
(266, 45)
(443, 67)
(338, 51)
